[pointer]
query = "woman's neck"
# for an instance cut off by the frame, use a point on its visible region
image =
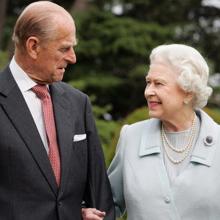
(180, 123)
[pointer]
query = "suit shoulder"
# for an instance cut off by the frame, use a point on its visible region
(72, 95)
(71, 90)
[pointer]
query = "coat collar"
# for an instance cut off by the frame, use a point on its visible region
(206, 144)
(150, 138)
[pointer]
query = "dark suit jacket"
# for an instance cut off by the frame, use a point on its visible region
(28, 189)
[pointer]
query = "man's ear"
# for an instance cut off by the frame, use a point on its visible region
(33, 46)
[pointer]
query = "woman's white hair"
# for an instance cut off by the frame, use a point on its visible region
(192, 69)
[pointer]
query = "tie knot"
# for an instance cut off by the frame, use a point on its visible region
(41, 91)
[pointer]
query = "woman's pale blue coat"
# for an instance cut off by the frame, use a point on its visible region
(139, 180)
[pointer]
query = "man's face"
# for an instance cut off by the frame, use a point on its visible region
(54, 56)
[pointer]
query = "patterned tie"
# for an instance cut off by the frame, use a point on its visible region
(42, 93)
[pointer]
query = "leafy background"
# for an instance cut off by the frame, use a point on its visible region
(115, 38)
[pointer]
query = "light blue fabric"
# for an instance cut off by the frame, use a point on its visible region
(140, 183)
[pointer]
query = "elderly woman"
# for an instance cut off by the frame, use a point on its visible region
(168, 167)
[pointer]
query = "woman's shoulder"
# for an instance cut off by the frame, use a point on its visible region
(207, 122)
(140, 125)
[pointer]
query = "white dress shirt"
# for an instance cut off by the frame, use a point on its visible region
(25, 83)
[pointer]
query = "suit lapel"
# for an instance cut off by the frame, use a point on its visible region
(17, 110)
(65, 128)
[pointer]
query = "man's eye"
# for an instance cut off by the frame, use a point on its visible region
(64, 49)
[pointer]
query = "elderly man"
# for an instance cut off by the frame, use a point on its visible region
(50, 155)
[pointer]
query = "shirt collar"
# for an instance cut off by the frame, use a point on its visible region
(24, 82)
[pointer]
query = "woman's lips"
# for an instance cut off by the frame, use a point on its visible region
(153, 104)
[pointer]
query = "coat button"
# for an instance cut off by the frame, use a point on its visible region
(208, 140)
(167, 199)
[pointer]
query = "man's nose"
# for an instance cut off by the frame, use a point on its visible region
(71, 56)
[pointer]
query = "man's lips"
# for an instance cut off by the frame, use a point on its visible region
(62, 69)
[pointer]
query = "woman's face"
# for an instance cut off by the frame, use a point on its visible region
(164, 96)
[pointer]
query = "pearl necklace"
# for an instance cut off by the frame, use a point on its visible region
(185, 150)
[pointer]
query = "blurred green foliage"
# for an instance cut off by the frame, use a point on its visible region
(3, 59)
(113, 53)
(113, 48)
(213, 113)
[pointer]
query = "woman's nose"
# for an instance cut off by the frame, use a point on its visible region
(149, 91)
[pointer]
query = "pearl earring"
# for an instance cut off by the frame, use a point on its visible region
(185, 102)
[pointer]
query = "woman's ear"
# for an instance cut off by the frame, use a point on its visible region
(33, 46)
(188, 98)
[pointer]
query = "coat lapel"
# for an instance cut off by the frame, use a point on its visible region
(17, 110)
(150, 142)
(207, 142)
(64, 118)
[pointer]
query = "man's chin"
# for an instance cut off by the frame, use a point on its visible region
(57, 78)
